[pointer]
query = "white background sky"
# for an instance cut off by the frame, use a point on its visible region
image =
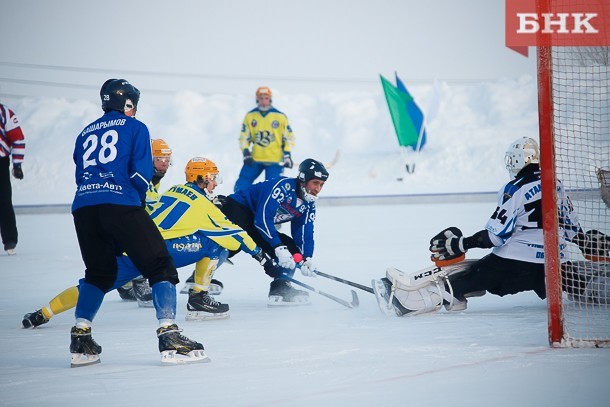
(66, 47)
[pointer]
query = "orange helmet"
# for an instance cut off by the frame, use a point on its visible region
(263, 90)
(200, 169)
(161, 149)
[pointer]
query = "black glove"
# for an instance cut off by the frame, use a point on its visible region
(593, 243)
(262, 257)
(448, 244)
(17, 171)
(288, 160)
(248, 160)
(219, 201)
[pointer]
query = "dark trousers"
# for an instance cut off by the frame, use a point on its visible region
(105, 231)
(500, 276)
(244, 218)
(8, 224)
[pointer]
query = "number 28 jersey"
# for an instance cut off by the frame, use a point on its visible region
(515, 227)
(113, 160)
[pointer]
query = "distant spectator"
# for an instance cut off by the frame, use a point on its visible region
(12, 143)
(266, 140)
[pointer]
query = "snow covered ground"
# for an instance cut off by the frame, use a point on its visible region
(494, 353)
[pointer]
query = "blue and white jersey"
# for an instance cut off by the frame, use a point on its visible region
(275, 201)
(515, 227)
(113, 160)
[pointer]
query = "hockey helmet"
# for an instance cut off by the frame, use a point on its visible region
(263, 90)
(201, 169)
(119, 95)
(160, 149)
(312, 169)
(522, 152)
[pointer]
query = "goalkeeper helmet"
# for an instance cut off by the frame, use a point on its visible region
(521, 152)
(201, 169)
(119, 95)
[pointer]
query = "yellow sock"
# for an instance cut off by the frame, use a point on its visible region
(64, 301)
(204, 270)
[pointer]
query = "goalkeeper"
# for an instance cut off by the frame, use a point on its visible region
(516, 263)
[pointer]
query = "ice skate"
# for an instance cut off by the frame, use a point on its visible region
(282, 293)
(142, 292)
(201, 306)
(176, 348)
(127, 293)
(34, 319)
(85, 351)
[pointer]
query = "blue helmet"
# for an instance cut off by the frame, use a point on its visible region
(116, 92)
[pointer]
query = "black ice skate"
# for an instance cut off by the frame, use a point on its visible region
(201, 306)
(127, 293)
(85, 351)
(282, 293)
(176, 348)
(142, 292)
(34, 319)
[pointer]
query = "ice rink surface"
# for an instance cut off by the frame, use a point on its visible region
(495, 353)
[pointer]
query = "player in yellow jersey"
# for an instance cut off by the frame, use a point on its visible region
(266, 141)
(195, 232)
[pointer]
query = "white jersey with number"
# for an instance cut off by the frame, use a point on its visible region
(515, 227)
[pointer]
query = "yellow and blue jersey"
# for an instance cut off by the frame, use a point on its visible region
(268, 134)
(152, 196)
(184, 210)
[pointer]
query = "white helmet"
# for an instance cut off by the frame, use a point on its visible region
(521, 152)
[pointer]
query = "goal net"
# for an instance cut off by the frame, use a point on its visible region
(574, 110)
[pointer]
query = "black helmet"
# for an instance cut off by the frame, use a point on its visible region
(312, 169)
(115, 93)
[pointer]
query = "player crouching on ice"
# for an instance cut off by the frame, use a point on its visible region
(516, 263)
(260, 207)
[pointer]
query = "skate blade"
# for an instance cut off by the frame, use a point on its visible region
(278, 301)
(146, 304)
(379, 291)
(171, 357)
(185, 289)
(205, 316)
(213, 289)
(81, 359)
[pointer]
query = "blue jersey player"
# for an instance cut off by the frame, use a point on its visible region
(113, 169)
(258, 208)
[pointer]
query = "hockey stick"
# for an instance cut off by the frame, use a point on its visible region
(360, 286)
(354, 304)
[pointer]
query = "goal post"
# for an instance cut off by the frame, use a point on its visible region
(574, 129)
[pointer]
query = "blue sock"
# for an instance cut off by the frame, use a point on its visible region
(164, 299)
(89, 301)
